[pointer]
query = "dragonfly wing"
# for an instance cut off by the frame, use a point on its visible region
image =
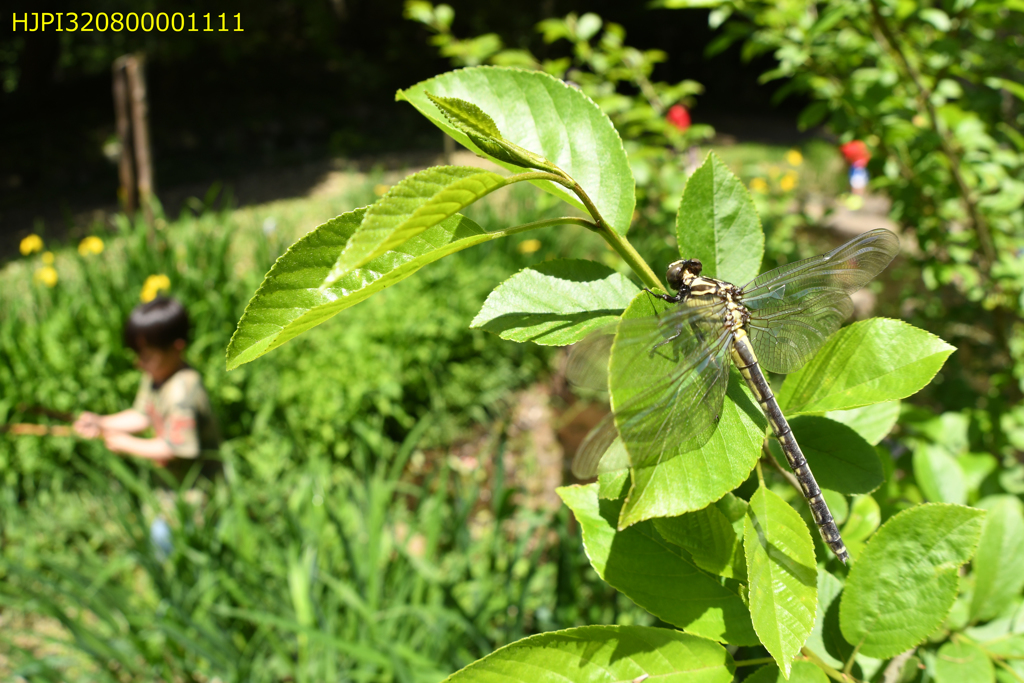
(602, 451)
(587, 365)
(794, 308)
(668, 377)
(786, 338)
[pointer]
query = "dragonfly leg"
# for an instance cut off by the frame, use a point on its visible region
(671, 298)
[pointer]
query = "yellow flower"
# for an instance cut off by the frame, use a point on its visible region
(529, 246)
(153, 285)
(90, 245)
(758, 185)
(381, 190)
(794, 157)
(47, 275)
(48, 258)
(31, 244)
(788, 182)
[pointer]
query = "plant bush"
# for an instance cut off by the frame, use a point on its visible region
(728, 561)
(934, 89)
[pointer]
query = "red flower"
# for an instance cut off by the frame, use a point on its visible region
(856, 153)
(678, 116)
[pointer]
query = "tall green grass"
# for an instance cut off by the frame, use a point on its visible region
(316, 555)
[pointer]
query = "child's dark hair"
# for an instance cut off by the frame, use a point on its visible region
(158, 323)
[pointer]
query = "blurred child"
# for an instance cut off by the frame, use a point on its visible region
(171, 398)
(857, 155)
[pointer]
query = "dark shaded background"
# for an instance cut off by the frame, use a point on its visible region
(305, 82)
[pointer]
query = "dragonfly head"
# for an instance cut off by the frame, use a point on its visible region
(681, 273)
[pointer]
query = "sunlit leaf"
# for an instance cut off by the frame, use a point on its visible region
(415, 204)
(939, 476)
(481, 129)
(999, 563)
(718, 224)
(656, 574)
(710, 536)
(962, 662)
(603, 654)
(692, 480)
(873, 422)
(556, 303)
(295, 295)
(905, 582)
(871, 361)
(783, 581)
(549, 118)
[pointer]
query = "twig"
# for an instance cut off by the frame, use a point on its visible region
(924, 97)
(789, 476)
(24, 429)
(831, 672)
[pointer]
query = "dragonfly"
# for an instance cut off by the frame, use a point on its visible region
(670, 371)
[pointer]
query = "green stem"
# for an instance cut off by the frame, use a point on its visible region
(755, 662)
(829, 671)
(617, 242)
(561, 220)
(853, 657)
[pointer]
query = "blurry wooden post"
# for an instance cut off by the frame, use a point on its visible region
(132, 111)
(126, 163)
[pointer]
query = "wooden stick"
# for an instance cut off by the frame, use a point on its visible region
(140, 135)
(24, 429)
(126, 161)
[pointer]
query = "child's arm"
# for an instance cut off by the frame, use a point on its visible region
(157, 450)
(91, 425)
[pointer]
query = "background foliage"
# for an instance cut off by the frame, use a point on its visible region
(271, 574)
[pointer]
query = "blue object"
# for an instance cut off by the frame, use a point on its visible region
(160, 538)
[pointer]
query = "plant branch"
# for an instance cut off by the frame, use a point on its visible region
(754, 662)
(832, 673)
(925, 98)
(853, 658)
(561, 220)
(617, 242)
(789, 476)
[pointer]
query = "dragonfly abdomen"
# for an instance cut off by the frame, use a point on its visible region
(746, 362)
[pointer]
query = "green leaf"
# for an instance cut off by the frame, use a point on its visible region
(603, 653)
(936, 18)
(868, 362)
(718, 224)
(710, 536)
(410, 207)
(873, 422)
(295, 295)
(963, 662)
(939, 476)
(556, 303)
(839, 458)
(825, 639)
(865, 516)
(481, 129)
(999, 562)
(693, 480)
(802, 672)
(656, 574)
(542, 114)
(783, 582)
(906, 580)
(1008, 646)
